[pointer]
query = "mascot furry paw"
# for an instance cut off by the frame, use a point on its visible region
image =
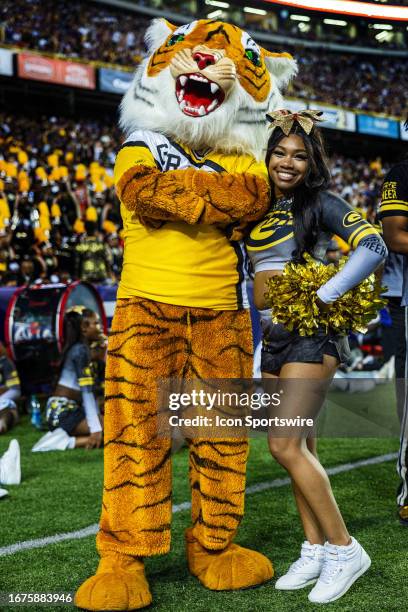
(234, 567)
(190, 177)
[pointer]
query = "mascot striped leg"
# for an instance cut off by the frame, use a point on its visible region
(151, 340)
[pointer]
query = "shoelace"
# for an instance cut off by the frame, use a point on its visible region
(306, 555)
(333, 563)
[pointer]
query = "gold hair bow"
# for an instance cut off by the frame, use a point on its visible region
(284, 119)
(79, 309)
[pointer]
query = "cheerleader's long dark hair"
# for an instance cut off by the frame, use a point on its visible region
(306, 207)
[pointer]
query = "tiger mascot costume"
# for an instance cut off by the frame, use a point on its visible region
(190, 177)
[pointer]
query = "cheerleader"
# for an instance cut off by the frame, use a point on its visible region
(302, 218)
(72, 412)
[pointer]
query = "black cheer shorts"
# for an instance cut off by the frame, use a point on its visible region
(280, 346)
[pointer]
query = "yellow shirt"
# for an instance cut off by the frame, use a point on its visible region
(182, 264)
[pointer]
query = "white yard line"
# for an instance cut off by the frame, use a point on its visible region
(256, 488)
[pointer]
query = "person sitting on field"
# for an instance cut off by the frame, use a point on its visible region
(9, 391)
(72, 413)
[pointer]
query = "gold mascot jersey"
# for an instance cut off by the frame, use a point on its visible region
(178, 263)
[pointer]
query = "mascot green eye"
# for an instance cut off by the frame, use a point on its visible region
(253, 56)
(175, 39)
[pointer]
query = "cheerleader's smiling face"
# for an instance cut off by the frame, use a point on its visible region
(288, 164)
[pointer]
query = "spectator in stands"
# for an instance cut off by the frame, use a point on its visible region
(67, 168)
(93, 258)
(87, 31)
(72, 412)
(63, 249)
(112, 240)
(50, 183)
(50, 262)
(106, 34)
(378, 81)
(27, 271)
(10, 391)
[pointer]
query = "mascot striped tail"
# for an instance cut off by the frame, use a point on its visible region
(190, 177)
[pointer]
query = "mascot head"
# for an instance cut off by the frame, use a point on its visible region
(207, 84)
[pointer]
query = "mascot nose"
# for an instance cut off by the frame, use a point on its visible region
(204, 59)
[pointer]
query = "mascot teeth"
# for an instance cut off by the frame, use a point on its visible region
(197, 96)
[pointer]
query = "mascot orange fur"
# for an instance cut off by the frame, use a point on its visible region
(190, 177)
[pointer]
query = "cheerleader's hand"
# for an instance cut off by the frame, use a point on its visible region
(323, 307)
(94, 440)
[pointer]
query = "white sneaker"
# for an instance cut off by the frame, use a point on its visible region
(305, 570)
(54, 440)
(10, 468)
(341, 567)
(3, 493)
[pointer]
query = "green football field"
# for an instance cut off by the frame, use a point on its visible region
(61, 493)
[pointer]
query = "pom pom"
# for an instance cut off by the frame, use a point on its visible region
(293, 299)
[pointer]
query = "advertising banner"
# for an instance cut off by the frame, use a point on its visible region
(378, 126)
(6, 62)
(114, 81)
(336, 118)
(41, 68)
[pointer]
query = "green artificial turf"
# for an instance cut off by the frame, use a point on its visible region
(61, 492)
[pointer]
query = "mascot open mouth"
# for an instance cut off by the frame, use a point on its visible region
(198, 96)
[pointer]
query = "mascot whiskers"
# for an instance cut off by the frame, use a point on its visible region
(190, 177)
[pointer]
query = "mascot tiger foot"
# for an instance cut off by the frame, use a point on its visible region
(233, 568)
(119, 584)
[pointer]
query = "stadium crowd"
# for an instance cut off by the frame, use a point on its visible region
(87, 31)
(59, 215)
(364, 83)
(96, 32)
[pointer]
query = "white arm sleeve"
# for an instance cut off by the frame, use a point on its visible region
(91, 411)
(369, 254)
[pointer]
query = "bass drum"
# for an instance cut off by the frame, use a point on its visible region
(33, 328)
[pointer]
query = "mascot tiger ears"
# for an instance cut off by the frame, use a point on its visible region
(207, 84)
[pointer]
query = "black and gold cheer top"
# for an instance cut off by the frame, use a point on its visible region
(271, 243)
